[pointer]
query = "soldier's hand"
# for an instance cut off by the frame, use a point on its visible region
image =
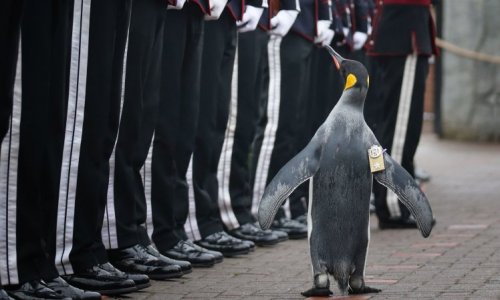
(216, 8)
(325, 34)
(179, 4)
(359, 39)
(250, 19)
(283, 21)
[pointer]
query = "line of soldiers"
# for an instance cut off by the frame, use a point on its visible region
(138, 135)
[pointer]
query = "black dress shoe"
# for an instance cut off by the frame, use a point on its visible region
(224, 243)
(185, 266)
(253, 233)
(282, 236)
(185, 251)
(137, 260)
(61, 287)
(141, 281)
(302, 219)
(97, 279)
(294, 229)
(408, 223)
(4, 295)
(219, 257)
(35, 289)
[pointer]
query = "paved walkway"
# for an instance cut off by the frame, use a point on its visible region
(460, 260)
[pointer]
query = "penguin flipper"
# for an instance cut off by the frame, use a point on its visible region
(300, 168)
(397, 179)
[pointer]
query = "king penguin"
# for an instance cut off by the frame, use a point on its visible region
(341, 161)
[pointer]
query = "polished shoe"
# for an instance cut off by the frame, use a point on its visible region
(302, 219)
(219, 257)
(137, 260)
(141, 281)
(98, 279)
(4, 295)
(253, 233)
(282, 236)
(185, 266)
(225, 244)
(249, 244)
(36, 289)
(294, 229)
(185, 251)
(408, 223)
(61, 287)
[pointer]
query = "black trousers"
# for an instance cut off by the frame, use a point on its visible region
(137, 124)
(396, 117)
(252, 80)
(10, 12)
(177, 126)
(216, 74)
(290, 136)
(30, 160)
(90, 143)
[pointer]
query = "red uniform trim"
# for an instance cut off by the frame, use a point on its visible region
(408, 2)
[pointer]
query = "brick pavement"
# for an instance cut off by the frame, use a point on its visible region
(460, 260)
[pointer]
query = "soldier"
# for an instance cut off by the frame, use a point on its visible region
(175, 132)
(399, 48)
(235, 193)
(35, 49)
(125, 232)
(100, 32)
(289, 69)
(219, 49)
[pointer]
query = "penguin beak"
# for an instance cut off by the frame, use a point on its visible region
(336, 57)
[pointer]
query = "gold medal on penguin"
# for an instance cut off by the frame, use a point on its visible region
(376, 158)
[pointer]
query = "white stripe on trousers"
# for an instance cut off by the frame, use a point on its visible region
(224, 168)
(191, 225)
(399, 140)
(273, 108)
(147, 178)
(73, 137)
(8, 184)
(109, 230)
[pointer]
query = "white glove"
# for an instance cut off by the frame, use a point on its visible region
(345, 30)
(325, 34)
(283, 21)
(359, 39)
(178, 5)
(250, 19)
(216, 8)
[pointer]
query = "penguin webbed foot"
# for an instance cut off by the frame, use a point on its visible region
(317, 292)
(364, 290)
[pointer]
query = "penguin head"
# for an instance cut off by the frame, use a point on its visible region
(353, 72)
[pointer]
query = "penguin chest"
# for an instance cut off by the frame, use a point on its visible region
(341, 191)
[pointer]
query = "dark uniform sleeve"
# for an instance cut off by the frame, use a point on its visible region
(290, 5)
(360, 16)
(324, 10)
(336, 19)
(401, 29)
(255, 3)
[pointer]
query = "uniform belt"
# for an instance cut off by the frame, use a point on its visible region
(408, 2)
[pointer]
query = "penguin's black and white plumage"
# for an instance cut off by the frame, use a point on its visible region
(337, 163)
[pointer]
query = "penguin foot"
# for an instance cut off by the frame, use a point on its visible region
(364, 290)
(320, 292)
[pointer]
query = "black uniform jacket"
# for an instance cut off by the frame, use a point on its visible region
(402, 27)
